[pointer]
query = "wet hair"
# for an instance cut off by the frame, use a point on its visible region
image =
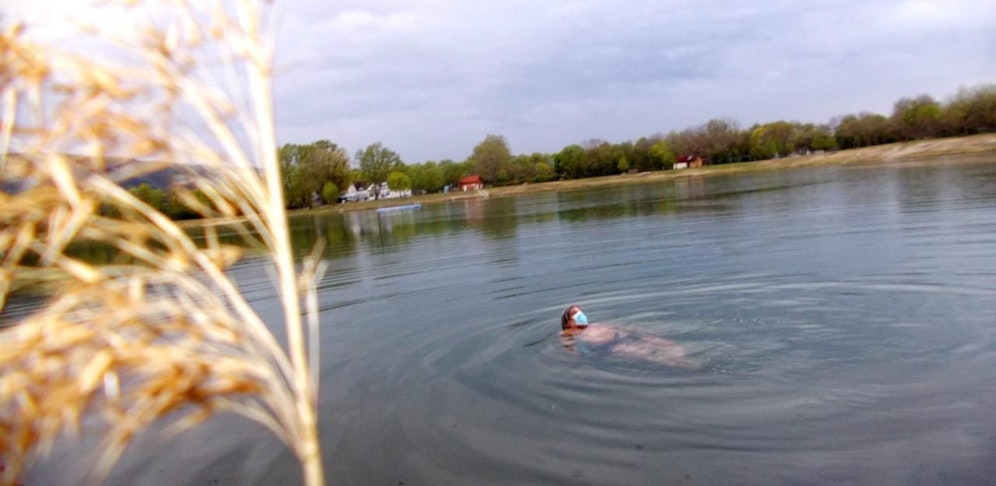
(566, 317)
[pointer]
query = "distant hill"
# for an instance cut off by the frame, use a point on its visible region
(160, 179)
(157, 175)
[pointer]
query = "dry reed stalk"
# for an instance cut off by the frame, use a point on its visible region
(161, 333)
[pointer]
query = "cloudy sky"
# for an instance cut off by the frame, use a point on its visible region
(431, 78)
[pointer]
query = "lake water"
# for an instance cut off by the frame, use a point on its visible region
(845, 317)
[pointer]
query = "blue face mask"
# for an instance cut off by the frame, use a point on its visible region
(580, 319)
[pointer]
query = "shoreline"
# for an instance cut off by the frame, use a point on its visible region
(957, 148)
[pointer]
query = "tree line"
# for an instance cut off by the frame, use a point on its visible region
(721, 141)
(317, 173)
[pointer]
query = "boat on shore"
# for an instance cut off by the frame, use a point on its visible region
(403, 207)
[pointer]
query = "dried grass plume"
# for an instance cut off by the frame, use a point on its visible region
(160, 332)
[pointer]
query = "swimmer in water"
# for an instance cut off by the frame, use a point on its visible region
(622, 341)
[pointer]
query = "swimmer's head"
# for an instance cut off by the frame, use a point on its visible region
(573, 317)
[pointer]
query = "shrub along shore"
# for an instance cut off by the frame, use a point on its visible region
(934, 151)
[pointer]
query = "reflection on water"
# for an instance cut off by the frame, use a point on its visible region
(843, 318)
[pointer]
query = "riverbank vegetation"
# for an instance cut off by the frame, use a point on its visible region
(316, 174)
(970, 111)
(721, 141)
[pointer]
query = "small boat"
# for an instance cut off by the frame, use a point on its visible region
(404, 207)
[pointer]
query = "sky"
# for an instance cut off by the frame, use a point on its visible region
(430, 79)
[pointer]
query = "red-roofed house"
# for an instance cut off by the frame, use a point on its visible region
(688, 161)
(470, 183)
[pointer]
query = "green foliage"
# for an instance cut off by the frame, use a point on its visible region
(761, 145)
(639, 154)
(569, 162)
(175, 207)
(398, 181)
(376, 162)
(623, 164)
(661, 155)
(543, 171)
(491, 157)
(971, 111)
(863, 130)
(453, 171)
(307, 168)
(916, 118)
(723, 142)
(813, 137)
(537, 167)
(426, 177)
(294, 193)
(772, 140)
(330, 193)
(150, 195)
(518, 170)
(170, 203)
(718, 141)
(600, 159)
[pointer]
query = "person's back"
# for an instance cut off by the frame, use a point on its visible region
(628, 342)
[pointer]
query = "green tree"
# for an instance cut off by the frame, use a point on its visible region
(426, 177)
(661, 155)
(491, 157)
(307, 168)
(376, 162)
(623, 164)
(520, 169)
(771, 140)
(917, 118)
(536, 167)
(398, 181)
(684, 142)
(330, 193)
(325, 163)
(290, 156)
(176, 209)
(718, 141)
(813, 137)
(569, 162)
(294, 194)
(640, 158)
(845, 131)
(543, 170)
(971, 111)
(600, 159)
(151, 196)
(762, 146)
(863, 130)
(723, 141)
(453, 171)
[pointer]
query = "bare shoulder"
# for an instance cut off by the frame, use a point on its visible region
(599, 333)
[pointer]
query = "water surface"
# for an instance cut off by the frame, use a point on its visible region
(845, 317)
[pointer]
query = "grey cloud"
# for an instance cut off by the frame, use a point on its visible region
(430, 79)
